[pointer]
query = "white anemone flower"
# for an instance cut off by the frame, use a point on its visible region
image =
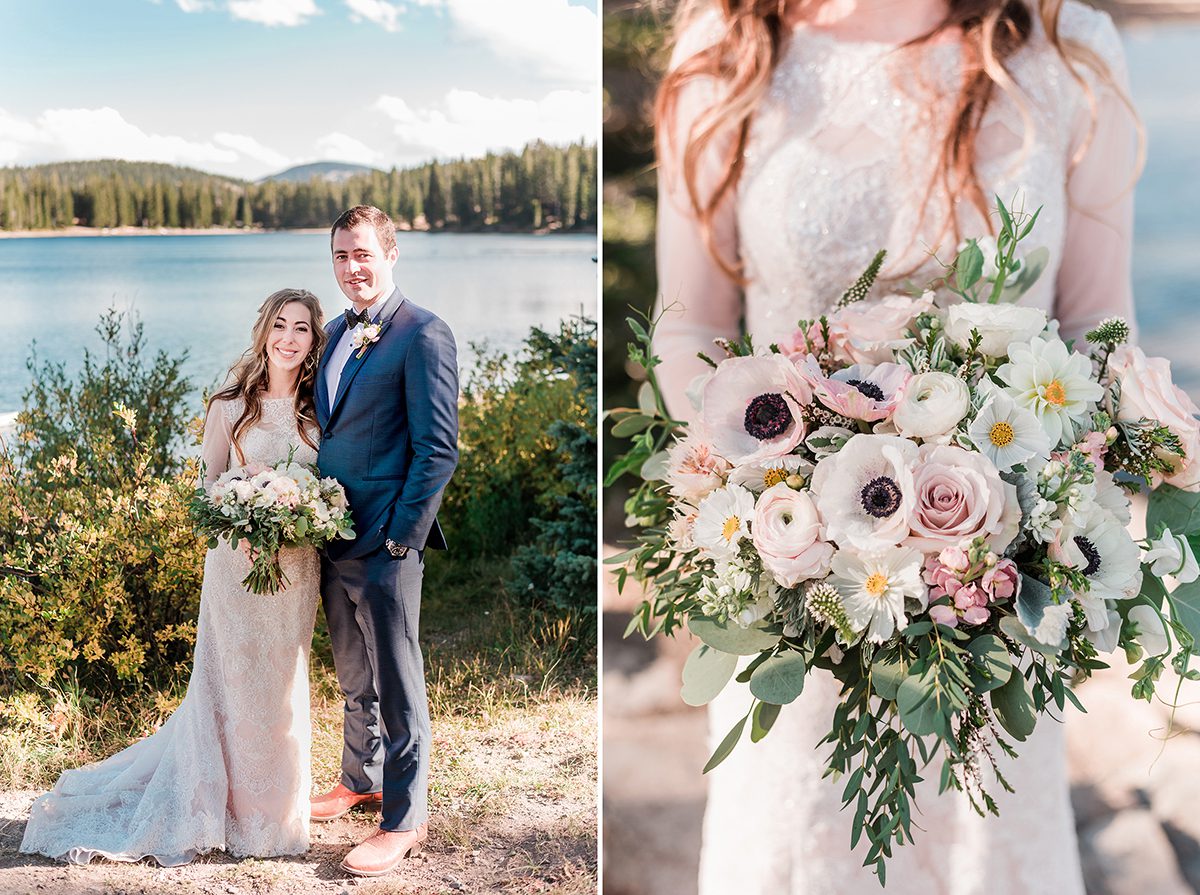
(722, 520)
(1007, 433)
(865, 492)
(1099, 546)
(751, 408)
(791, 470)
(1054, 383)
(875, 586)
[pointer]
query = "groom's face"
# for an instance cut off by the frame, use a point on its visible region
(363, 269)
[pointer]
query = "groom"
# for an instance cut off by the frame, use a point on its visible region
(387, 405)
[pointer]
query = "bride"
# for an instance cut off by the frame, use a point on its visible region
(795, 138)
(230, 768)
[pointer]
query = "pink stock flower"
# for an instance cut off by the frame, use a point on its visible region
(1095, 446)
(970, 593)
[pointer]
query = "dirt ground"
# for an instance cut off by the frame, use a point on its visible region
(528, 825)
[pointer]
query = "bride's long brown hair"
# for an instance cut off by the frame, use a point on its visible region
(743, 61)
(248, 378)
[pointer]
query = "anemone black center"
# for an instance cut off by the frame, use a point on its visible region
(870, 389)
(767, 416)
(1090, 553)
(881, 497)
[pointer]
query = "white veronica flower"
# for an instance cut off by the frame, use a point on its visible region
(1152, 635)
(722, 520)
(1008, 434)
(760, 476)
(1172, 555)
(865, 492)
(874, 587)
(932, 404)
(1056, 384)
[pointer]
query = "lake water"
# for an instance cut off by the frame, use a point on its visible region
(201, 292)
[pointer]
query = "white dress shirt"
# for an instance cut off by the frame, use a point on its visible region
(343, 350)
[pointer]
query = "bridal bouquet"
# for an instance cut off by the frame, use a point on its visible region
(287, 505)
(926, 497)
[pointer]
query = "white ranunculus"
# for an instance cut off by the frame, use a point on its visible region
(787, 533)
(1172, 555)
(1000, 325)
(932, 404)
(1152, 635)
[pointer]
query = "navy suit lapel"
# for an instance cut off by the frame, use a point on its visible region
(359, 357)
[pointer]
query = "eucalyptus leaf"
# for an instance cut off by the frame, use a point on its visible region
(631, 425)
(886, 675)
(705, 674)
(647, 402)
(917, 701)
(1173, 508)
(780, 679)
(1185, 602)
(762, 720)
(1013, 705)
(732, 638)
(727, 744)
(1013, 629)
(655, 468)
(992, 666)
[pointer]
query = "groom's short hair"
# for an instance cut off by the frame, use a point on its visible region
(372, 216)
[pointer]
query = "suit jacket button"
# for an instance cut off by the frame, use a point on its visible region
(328, 434)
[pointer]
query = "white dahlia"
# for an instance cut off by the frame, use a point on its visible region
(1054, 383)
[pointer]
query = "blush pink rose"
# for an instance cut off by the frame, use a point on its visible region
(1147, 390)
(959, 497)
(871, 332)
(787, 533)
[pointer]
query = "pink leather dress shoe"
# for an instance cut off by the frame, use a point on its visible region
(339, 801)
(383, 852)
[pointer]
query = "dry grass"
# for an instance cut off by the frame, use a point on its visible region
(513, 778)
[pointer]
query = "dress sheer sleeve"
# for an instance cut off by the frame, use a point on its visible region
(214, 450)
(1094, 279)
(701, 302)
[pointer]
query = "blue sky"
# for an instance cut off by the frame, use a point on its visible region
(249, 87)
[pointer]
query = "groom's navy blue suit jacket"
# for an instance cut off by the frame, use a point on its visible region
(391, 437)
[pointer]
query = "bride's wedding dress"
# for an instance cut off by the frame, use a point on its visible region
(837, 166)
(230, 768)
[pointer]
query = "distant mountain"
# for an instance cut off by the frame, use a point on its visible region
(330, 172)
(78, 173)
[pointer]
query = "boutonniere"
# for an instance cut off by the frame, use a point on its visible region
(367, 334)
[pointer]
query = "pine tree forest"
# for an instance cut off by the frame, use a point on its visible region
(543, 187)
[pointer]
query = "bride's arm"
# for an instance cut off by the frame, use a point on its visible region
(214, 450)
(701, 301)
(1094, 278)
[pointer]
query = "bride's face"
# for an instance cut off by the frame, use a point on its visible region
(290, 338)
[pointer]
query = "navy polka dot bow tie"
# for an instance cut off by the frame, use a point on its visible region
(354, 318)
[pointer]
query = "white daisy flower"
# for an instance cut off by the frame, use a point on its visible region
(1008, 434)
(722, 520)
(758, 477)
(875, 586)
(1054, 383)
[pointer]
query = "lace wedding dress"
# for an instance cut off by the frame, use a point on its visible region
(838, 165)
(230, 768)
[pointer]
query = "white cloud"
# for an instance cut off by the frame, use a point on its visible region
(193, 5)
(252, 149)
(386, 15)
(82, 134)
(340, 147)
(558, 39)
(274, 12)
(467, 123)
